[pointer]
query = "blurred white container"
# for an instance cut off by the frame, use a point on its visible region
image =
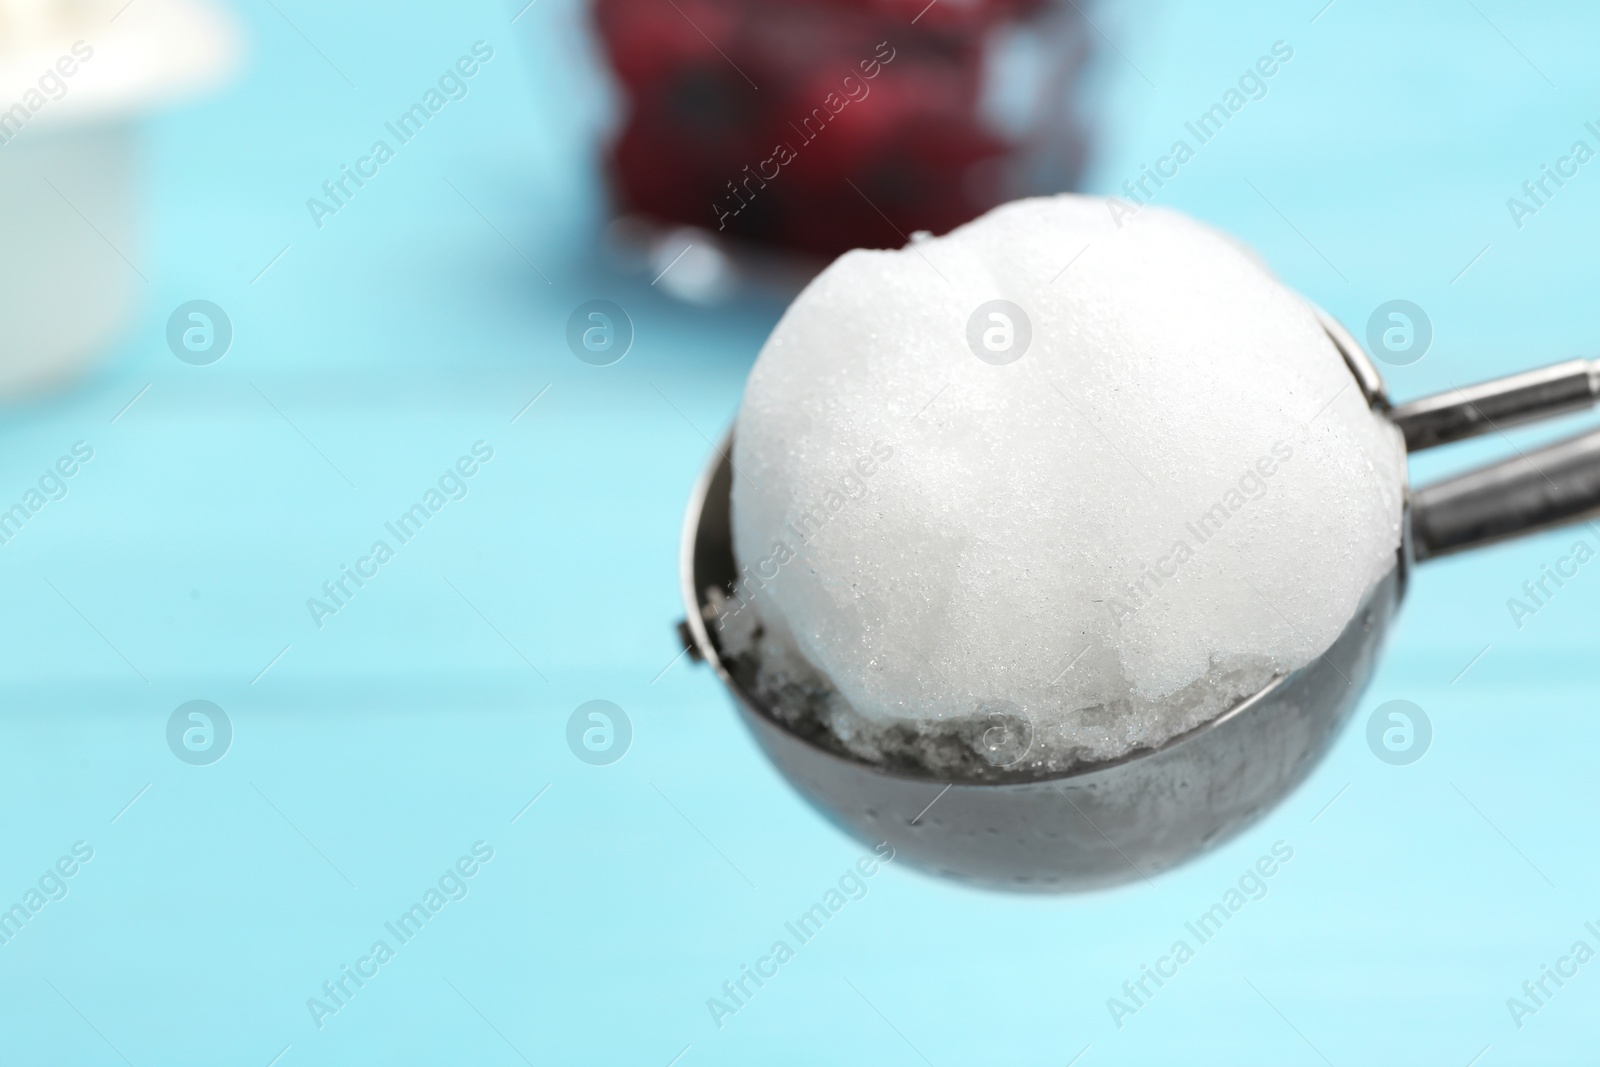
(76, 76)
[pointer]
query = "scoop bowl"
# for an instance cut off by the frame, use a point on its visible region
(1109, 822)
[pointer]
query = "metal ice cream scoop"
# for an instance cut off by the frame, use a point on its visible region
(1104, 823)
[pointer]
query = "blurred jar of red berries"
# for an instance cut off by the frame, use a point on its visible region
(824, 125)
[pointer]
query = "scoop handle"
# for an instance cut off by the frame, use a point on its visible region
(1551, 486)
(1494, 405)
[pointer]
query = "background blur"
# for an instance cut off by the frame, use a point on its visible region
(430, 711)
